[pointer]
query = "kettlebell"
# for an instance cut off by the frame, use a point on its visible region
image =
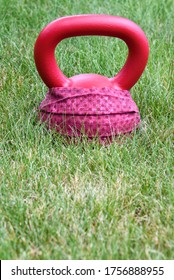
(90, 104)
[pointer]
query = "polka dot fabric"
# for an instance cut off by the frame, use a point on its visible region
(102, 112)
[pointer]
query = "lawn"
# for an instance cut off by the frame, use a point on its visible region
(65, 200)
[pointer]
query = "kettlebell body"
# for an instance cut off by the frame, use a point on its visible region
(90, 104)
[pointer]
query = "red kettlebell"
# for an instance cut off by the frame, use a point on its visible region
(90, 104)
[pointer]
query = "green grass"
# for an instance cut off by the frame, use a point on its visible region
(61, 200)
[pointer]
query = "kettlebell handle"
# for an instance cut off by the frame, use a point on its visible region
(83, 25)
